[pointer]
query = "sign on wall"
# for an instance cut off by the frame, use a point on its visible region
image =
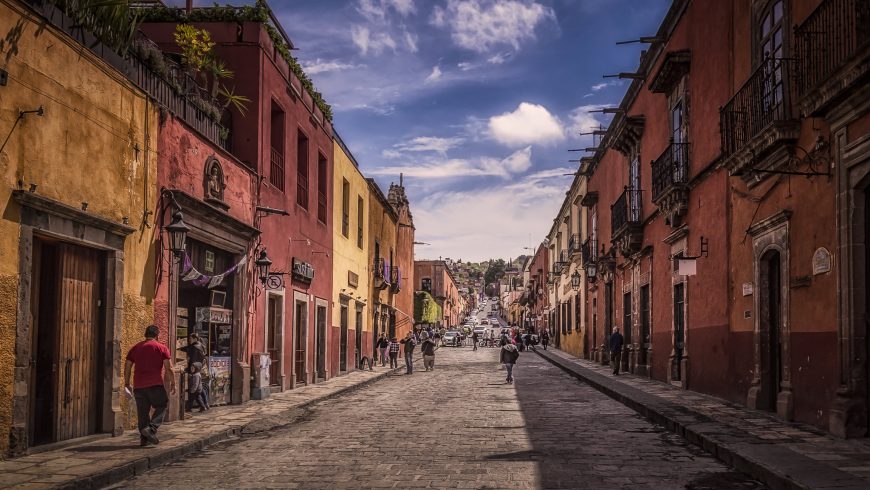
(302, 271)
(821, 261)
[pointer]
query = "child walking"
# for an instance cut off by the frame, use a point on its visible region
(195, 389)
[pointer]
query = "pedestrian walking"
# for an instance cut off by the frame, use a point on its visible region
(545, 338)
(427, 347)
(409, 344)
(194, 389)
(616, 350)
(382, 345)
(195, 352)
(508, 357)
(151, 359)
(474, 340)
(394, 353)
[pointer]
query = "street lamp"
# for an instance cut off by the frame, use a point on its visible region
(575, 280)
(591, 272)
(263, 263)
(177, 233)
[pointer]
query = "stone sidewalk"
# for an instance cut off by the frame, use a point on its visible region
(104, 461)
(779, 453)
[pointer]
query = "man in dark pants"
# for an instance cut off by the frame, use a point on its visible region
(616, 350)
(151, 359)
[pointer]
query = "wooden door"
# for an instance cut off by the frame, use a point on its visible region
(301, 326)
(273, 339)
(78, 379)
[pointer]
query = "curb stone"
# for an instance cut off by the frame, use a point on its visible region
(776, 466)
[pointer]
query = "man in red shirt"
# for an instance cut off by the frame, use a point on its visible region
(151, 359)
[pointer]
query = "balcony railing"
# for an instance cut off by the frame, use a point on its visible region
(670, 169)
(588, 251)
(276, 169)
(834, 33)
(626, 211)
(321, 207)
(381, 273)
(169, 94)
(763, 100)
(395, 279)
(574, 245)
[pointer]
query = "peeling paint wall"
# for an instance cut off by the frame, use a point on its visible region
(94, 144)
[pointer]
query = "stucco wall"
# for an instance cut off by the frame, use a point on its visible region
(95, 144)
(347, 256)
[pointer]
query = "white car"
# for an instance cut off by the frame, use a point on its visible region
(481, 332)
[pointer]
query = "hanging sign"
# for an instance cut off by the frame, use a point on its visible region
(302, 271)
(210, 314)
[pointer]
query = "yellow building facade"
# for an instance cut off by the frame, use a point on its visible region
(383, 227)
(350, 261)
(76, 239)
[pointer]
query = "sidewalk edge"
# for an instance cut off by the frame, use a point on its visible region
(733, 455)
(140, 466)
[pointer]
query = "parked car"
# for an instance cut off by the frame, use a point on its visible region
(451, 337)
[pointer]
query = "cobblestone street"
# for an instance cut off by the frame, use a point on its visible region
(459, 426)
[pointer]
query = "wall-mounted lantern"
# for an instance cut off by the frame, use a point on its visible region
(263, 264)
(177, 231)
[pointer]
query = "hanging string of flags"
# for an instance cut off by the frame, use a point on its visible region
(190, 274)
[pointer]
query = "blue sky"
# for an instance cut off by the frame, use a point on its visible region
(475, 101)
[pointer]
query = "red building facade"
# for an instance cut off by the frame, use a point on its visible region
(712, 207)
(285, 142)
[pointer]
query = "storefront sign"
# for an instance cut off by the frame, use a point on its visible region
(214, 315)
(302, 271)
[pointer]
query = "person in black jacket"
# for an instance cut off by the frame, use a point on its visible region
(409, 343)
(427, 347)
(616, 350)
(382, 345)
(508, 357)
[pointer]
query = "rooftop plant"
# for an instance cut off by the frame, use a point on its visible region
(113, 22)
(259, 12)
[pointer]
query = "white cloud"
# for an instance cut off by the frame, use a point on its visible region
(582, 121)
(443, 218)
(481, 25)
(528, 124)
(435, 75)
(517, 162)
(321, 66)
(411, 41)
(377, 10)
(465, 65)
(429, 143)
(367, 41)
(600, 86)
(499, 58)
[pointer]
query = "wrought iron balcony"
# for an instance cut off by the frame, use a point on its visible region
(626, 221)
(395, 279)
(588, 251)
(670, 170)
(670, 177)
(563, 256)
(381, 273)
(758, 120)
(831, 49)
(574, 245)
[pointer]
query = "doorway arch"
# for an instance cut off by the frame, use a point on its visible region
(771, 384)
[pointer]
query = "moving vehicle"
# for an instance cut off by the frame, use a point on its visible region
(451, 338)
(481, 331)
